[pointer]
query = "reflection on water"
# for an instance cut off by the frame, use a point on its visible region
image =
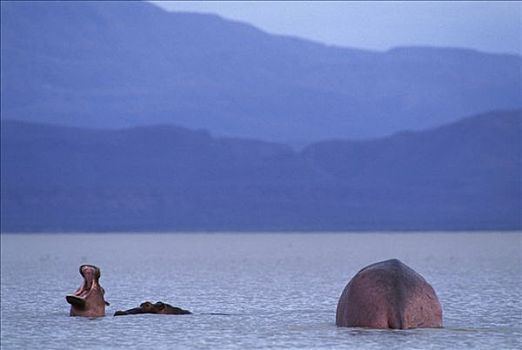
(274, 291)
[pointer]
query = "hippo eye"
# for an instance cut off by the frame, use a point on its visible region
(146, 304)
(159, 305)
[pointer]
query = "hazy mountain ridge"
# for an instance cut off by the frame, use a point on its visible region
(465, 175)
(99, 64)
(448, 145)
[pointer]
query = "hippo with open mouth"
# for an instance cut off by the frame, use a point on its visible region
(389, 294)
(156, 308)
(88, 300)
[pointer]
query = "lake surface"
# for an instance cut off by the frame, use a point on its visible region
(280, 291)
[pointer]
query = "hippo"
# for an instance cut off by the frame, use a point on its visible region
(388, 294)
(156, 308)
(88, 300)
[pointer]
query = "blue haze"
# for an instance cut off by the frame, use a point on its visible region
(123, 116)
(120, 64)
(492, 26)
(464, 176)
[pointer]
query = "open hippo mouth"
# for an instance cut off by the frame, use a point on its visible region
(91, 275)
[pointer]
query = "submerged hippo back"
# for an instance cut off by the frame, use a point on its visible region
(157, 308)
(388, 294)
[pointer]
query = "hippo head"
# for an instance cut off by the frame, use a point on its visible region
(88, 300)
(156, 308)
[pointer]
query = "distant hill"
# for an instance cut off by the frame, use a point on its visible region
(122, 64)
(462, 176)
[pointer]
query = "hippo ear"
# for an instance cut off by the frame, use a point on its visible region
(107, 303)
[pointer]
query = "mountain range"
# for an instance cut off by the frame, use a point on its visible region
(462, 176)
(100, 64)
(121, 116)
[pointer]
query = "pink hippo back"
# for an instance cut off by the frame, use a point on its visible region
(389, 294)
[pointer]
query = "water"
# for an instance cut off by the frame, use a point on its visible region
(279, 290)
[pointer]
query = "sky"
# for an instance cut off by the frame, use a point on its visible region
(491, 26)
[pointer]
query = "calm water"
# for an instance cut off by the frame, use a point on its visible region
(280, 291)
